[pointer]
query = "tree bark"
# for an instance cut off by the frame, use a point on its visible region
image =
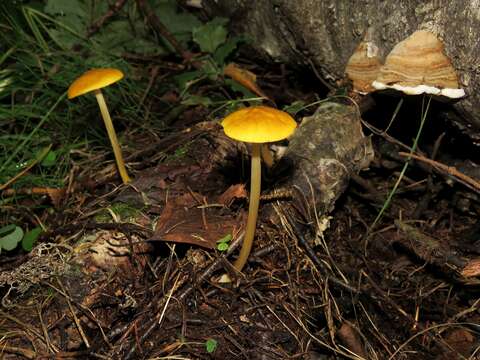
(325, 33)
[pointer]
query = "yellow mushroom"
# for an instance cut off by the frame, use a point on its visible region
(94, 80)
(256, 125)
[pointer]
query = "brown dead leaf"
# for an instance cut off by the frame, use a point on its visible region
(236, 191)
(350, 338)
(472, 268)
(245, 78)
(184, 221)
(56, 196)
(461, 342)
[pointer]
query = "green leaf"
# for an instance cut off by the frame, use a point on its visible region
(222, 246)
(115, 36)
(210, 35)
(211, 345)
(144, 46)
(65, 7)
(11, 240)
(7, 229)
(210, 69)
(180, 24)
(65, 39)
(193, 100)
(294, 107)
(50, 159)
(183, 80)
(224, 50)
(227, 238)
(30, 238)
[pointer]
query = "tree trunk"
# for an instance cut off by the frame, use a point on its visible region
(326, 33)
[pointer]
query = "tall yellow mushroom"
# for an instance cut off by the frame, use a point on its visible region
(94, 80)
(256, 125)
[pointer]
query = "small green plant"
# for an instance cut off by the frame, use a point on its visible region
(423, 117)
(11, 235)
(223, 243)
(216, 46)
(211, 345)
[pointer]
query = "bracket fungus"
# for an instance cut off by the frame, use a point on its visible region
(363, 67)
(419, 65)
(94, 80)
(256, 125)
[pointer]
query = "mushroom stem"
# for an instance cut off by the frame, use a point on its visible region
(256, 173)
(267, 156)
(112, 135)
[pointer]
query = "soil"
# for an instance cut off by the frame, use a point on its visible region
(131, 272)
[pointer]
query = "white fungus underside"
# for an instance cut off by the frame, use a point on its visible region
(421, 89)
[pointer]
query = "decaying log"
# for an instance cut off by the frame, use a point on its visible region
(325, 34)
(327, 148)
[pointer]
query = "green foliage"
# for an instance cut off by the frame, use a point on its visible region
(295, 107)
(117, 212)
(45, 45)
(223, 243)
(193, 100)
(50, 159)
(211, 345)
(11, 235)
(211, 35)
(178, 23)
(126, 33)
(30, 238)
(423, 117)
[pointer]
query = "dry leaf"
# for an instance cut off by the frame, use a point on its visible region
(350, 339)
(236, 191)
(245, 78)
(184, 221)
(472, 268)
(461, 341)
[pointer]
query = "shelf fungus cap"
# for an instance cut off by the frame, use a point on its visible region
(259, 124)
(363, 67)
(419, 65)
(93, 79)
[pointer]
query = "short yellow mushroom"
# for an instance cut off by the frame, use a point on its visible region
(256, 125)
(94, 80)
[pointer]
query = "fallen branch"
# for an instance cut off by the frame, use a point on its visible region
(115, 8)
(450, 170)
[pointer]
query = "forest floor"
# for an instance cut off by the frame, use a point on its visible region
(132, 271)
(105, 285)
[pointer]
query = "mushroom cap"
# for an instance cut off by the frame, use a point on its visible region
(363, 67)
(258, 124)
(92, 80)
(419, 65)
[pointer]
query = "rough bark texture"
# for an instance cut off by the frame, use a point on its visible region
(326, 149)
(325, 33)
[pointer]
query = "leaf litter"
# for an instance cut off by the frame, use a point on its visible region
(144, 284)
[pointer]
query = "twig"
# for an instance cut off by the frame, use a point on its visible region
(24, 171)
(161, 29)
(386, 298)
(26, 353)
(26, 327)
(45, 331)
(313, 256)
(86, 311)
(74, 315)
(111, 12)
(152, 324)
(450, 170)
